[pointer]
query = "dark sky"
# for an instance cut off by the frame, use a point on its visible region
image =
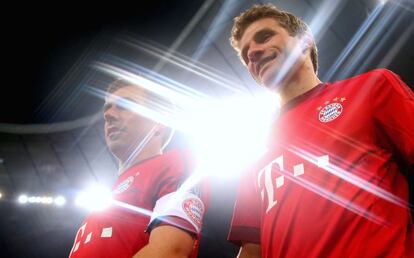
(41, 43)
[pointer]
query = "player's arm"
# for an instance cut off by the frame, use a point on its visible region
(172, 232)
(393, 107)
(167, 242)
(249, 250)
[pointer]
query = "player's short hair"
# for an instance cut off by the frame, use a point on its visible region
(292, 23)
(150, 100)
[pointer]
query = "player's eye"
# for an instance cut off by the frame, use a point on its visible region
(121, 105)
(266, 37)
(106, 106)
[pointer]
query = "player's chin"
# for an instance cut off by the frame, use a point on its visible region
(271, 78)
(116, 148)
(115, 142)
(267, 81)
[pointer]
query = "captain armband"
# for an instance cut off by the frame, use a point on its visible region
(181, 204)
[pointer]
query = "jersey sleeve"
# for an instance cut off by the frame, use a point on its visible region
(393, 108)
(245, 224)
(176, 205)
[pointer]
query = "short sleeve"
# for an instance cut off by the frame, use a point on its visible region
(393, 109)
(182, 209)
(245, 224)
(173, 205)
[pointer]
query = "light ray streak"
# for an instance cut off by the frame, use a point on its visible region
(169, 119)
(353, 43)
(143, 82)
(343, 202)
(154, 115)
(143, 211)
(193, 180)
(397, 46)
(215, 27)
(180, 101)
(66, 83)
(139, 148)
(407, 5)
(382, 38)
(321, 21)
(195, 70)
(151, 75)
(288, 64)
(132, 208)
(344, 138)
(184, 34)
(350, 178)
(325, 12)
(151, 47)
(370, 40)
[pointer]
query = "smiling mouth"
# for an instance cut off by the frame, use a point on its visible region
(263, 62)
(113, 131)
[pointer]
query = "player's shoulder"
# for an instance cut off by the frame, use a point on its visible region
(177, 156)
(178, 161)
(380, 74)
(172, 154)
(373, 78)
(370, 76)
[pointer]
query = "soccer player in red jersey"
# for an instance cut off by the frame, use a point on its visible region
(149, 217)
(333, 181)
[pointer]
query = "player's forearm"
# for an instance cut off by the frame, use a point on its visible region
(250, 251)
(167, 242)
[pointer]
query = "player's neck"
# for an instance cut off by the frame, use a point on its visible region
(303, 81)
(148, 152)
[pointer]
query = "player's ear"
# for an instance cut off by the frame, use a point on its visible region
(307, 41)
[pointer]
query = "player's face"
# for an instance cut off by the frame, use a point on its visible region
(265, 49)
(124, 128)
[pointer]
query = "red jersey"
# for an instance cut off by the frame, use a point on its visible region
(120, 230)
(332, 182)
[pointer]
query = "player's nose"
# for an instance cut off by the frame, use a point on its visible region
(110, 114)
(255, 52)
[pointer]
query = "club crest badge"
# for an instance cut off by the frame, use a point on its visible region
(194, 209)
(330, 112)
(124, 185)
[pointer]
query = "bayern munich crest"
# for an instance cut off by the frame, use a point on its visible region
(194, 209)
(124, 185)
(330, 112)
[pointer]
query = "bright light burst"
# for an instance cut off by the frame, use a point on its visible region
(228, 134)
(23, 199)
(60, 200)
(95, 198)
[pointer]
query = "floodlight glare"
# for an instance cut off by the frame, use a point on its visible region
(23, 199)
(229, 134)
(94, 198)
(60, 200)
